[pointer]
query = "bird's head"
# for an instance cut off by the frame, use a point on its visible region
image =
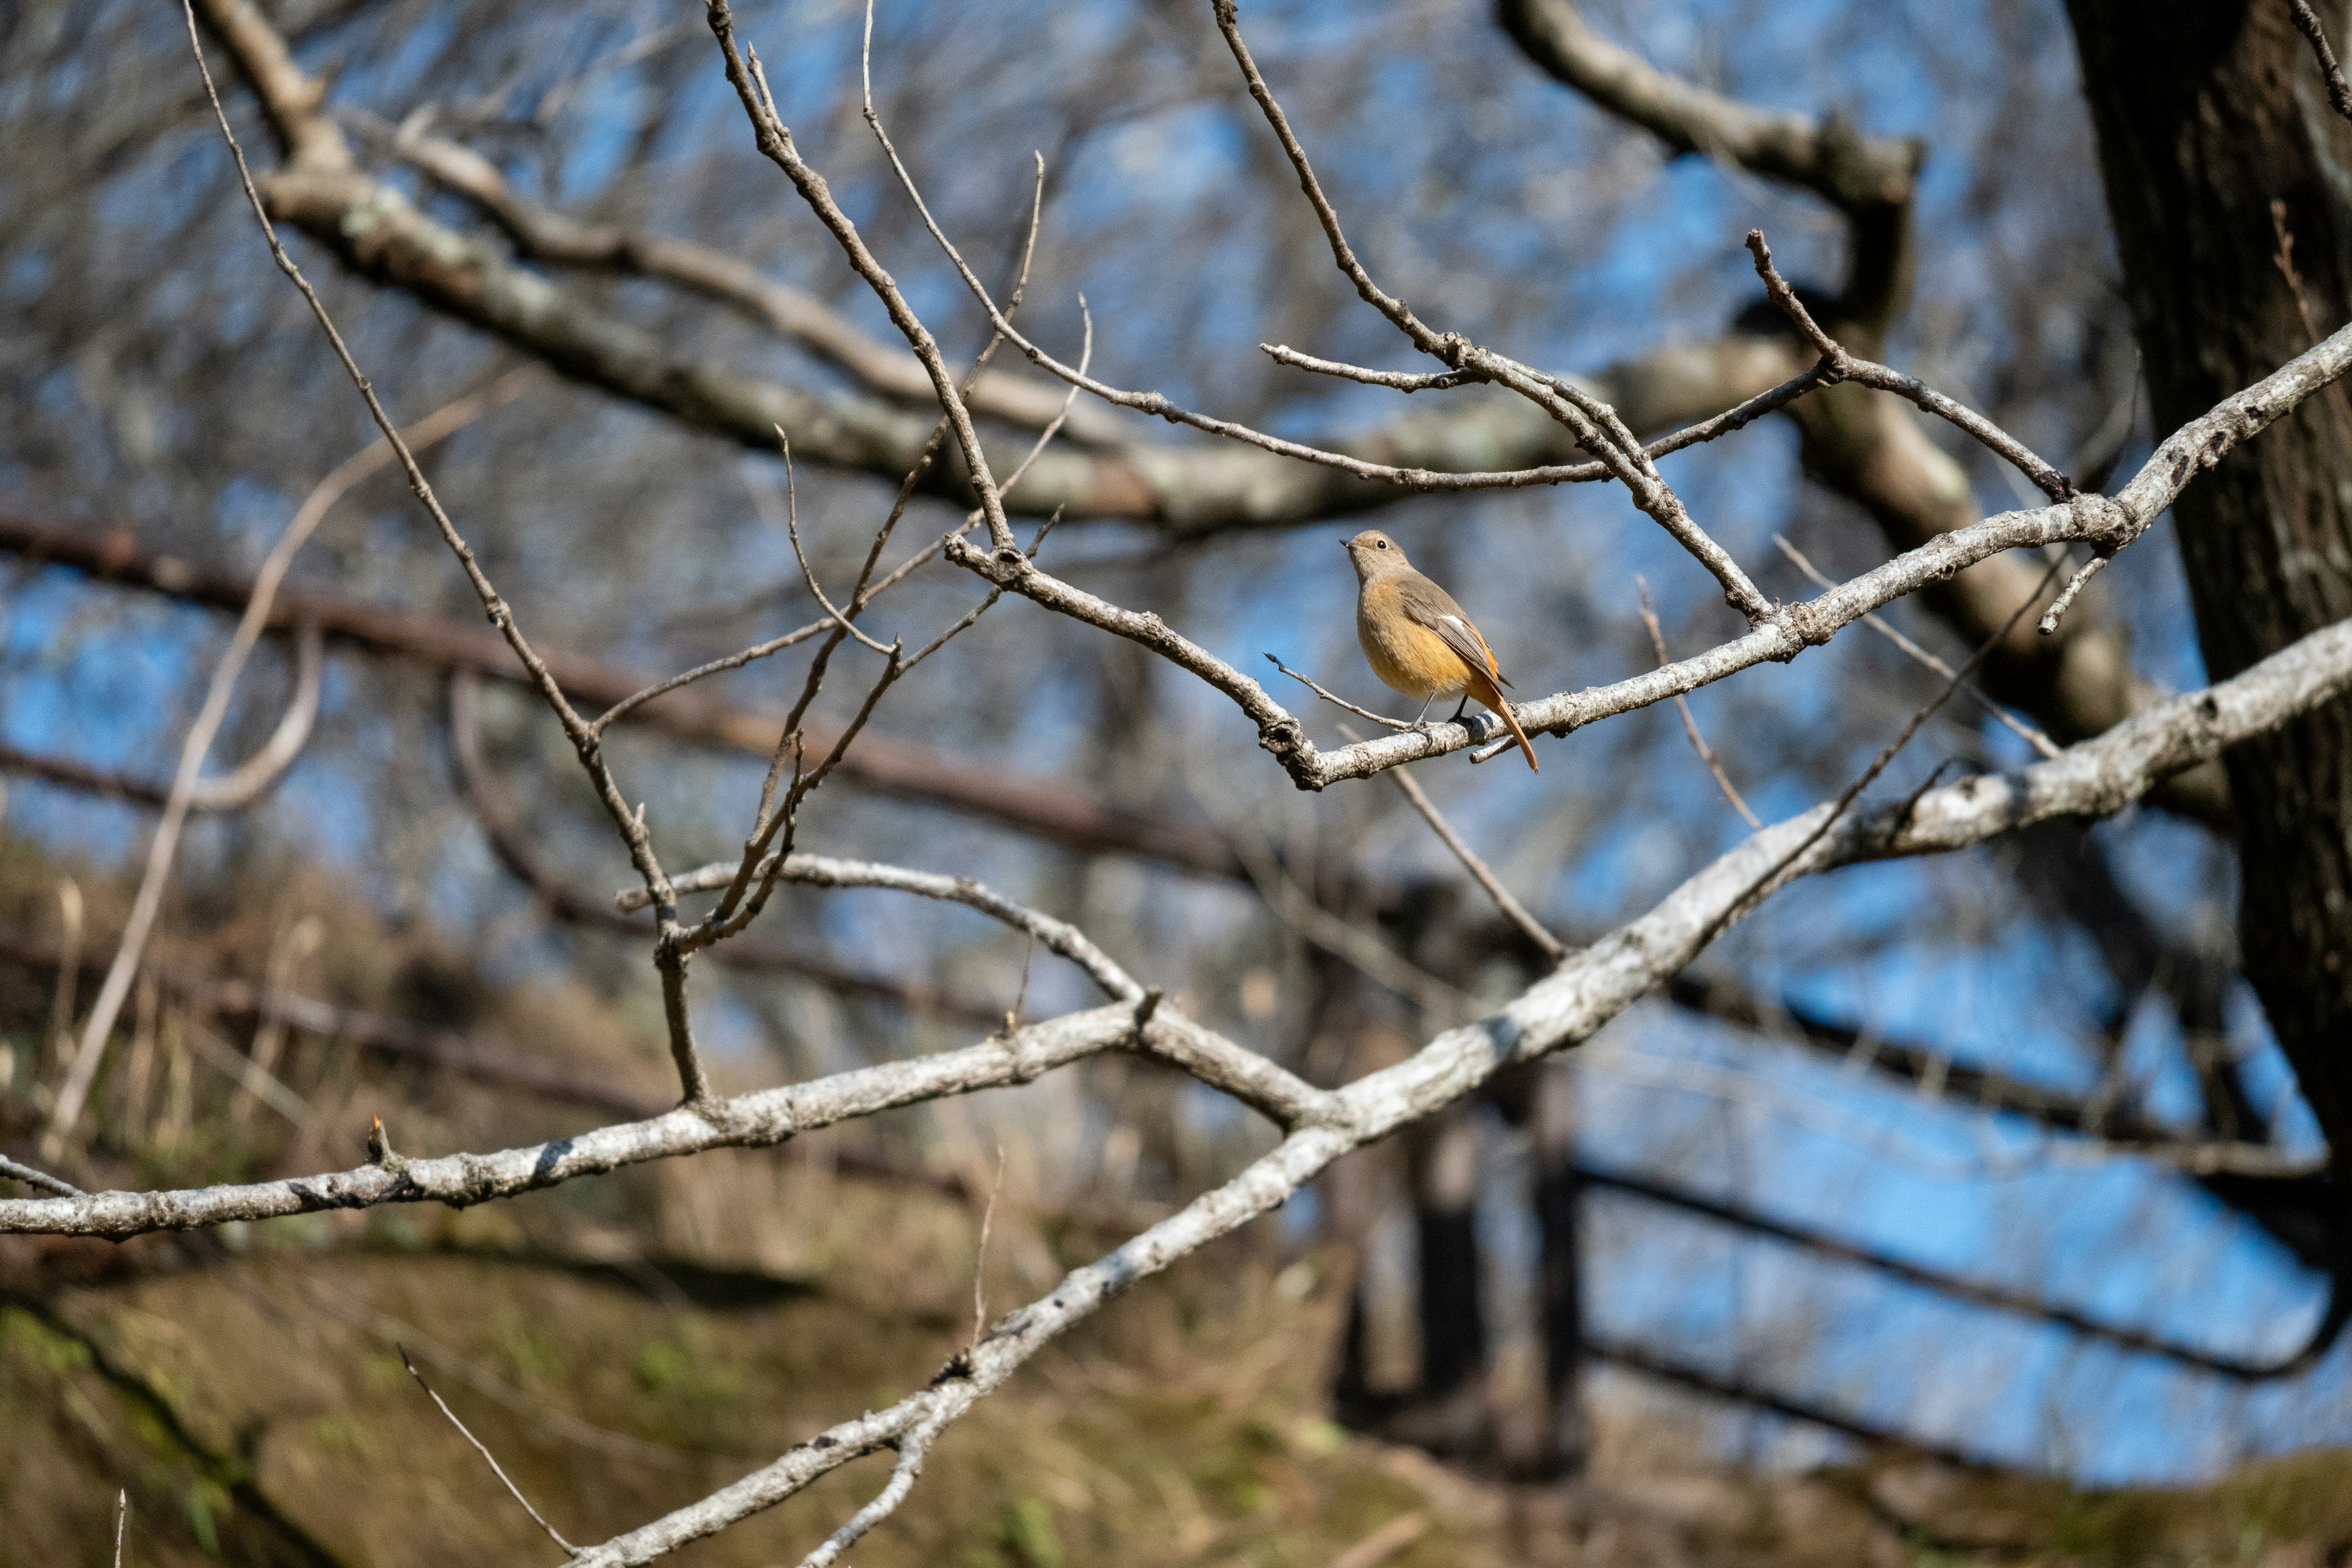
(1375, 555)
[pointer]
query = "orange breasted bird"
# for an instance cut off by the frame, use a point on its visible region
(1417, 639)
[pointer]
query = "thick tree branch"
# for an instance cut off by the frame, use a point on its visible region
(1845, 168)
(757, 1120)
(542, 233)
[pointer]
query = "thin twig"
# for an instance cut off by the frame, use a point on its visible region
(987, 1216)
(2048, 625)
(736, 660)
(1518, 913)
(17, 1171)
(488, 1457)
(1690, 724)
(808, 573)
(2283, 257)
(1397, 380)
(911, 1450)
(1763, 885)
(1339, 701)
(2031, 735)
(627, 821)
(1845, 366)
(2339, 92)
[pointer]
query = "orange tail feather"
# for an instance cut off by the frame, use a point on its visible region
(1491, 698)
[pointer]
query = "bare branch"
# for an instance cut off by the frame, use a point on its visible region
(1849, 170)
(1844, 366)
(1518, 913)
(775, 142)
(2339, 92)
(263, 55)
(17, 1171)
(1690, 724)
(825, 871)
(758, 1119)
(1396, 380)
(2048, 625)
(488, 1457)
(545, 234)
(1339, 701)
(911, 1447)
(2026, 732)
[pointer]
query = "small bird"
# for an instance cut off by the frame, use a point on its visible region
(1417, 639)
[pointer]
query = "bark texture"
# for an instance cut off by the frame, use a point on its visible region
(2209, 112)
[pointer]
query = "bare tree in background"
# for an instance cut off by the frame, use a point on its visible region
(2250, 753)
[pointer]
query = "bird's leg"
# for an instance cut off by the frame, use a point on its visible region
(1460, 709)
(1421, 720)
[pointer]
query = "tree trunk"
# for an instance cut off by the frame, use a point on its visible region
(2209, 112)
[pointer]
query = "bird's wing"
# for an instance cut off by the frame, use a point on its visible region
(1430, 606)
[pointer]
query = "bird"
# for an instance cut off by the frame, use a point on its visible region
(1419, 641)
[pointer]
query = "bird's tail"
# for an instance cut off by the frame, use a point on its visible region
(1490, 696)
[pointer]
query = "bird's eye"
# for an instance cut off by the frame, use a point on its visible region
(1383, 545)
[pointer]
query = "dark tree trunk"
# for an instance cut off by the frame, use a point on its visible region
(2208, 112)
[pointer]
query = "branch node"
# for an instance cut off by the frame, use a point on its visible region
(1145, 1006)
(2048, 625)
(380, 1150)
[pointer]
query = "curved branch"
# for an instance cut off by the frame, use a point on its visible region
(545, 234)
(245, 783)
(825, 871)
(513, 849)
(1851, 172)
